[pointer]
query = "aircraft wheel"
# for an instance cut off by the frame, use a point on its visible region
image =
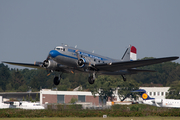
(57, 80)
(91, 80)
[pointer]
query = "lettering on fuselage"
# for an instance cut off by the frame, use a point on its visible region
(86, 54)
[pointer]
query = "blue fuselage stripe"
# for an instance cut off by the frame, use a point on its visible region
(55, 53)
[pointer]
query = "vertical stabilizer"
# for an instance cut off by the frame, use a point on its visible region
(130, 54)
(143, 94)
(133, 53)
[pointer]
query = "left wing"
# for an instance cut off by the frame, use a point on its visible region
(39, 66)
(115, 66)
(24, 64)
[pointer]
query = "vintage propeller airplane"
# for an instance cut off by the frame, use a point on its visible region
(66, 59)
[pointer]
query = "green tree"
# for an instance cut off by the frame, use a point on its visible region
(23, 88)
(104, 86)
(174, 91)
(17, 79)
(165, 74)
(30, 98)
(125, 88)
(23, 99)
(37, 97)
(64, 85)
(4, 76)
(73, 100)
(27, 98)
(9, 87)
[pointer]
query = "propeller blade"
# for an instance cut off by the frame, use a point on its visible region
(48, 74)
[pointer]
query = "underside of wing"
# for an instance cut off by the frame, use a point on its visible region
(122, 65)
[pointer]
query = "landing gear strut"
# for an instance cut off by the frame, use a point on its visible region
(91, 78)
(123, 77)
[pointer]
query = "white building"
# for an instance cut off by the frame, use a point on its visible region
(156, 92)
(64, 97)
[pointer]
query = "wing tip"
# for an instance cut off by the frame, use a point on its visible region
(174, 58)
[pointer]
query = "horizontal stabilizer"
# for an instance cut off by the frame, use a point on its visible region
(140, 90)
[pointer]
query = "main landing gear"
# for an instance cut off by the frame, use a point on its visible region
(91, 78)
(57, 79)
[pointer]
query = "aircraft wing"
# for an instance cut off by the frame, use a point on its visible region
(36, 65)
(23, 64)
(122, 65)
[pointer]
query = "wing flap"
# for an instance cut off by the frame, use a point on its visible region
(122, 65)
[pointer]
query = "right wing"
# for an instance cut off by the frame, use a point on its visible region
(123, 65)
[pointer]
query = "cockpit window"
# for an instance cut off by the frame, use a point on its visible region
(60, 48)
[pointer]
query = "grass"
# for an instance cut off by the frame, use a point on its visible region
(96, 118)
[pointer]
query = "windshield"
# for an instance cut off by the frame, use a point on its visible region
(60, 48)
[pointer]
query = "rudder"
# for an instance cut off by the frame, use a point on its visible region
(130, 54)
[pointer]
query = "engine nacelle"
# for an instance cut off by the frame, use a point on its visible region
(83, 62)
(50, 64)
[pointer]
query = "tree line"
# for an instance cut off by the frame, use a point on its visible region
(22, 80)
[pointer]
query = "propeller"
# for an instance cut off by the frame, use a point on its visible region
(82, 61)
(44, 64)
(38, 63)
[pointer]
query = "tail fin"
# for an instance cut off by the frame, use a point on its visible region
(143, 94)
(130, 54)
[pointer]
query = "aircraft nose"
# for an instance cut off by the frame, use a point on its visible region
(54, 53)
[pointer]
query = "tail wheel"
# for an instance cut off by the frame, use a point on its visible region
(57, 80)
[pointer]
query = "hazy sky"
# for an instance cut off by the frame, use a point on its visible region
(29, 29)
